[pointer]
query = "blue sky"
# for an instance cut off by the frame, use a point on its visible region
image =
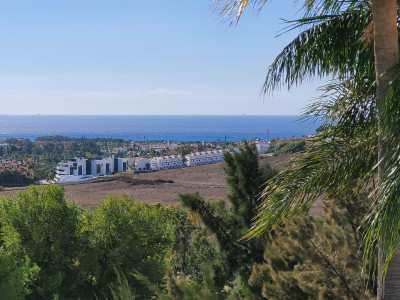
(129, 57)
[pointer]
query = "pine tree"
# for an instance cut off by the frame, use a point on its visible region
(318, 258)
(245, 179)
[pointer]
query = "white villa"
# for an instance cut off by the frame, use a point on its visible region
(262, 146)
(159, 163)
(203, 158)
(73, 167)
(79, 169)
(101, 166)
(143, 164)
(167, 162)
(176, 161)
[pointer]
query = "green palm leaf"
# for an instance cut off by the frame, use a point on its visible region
(384, 219)
(331, 45)
(336, 41)
(341, 158)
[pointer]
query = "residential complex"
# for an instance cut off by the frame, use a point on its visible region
(79, 169)
(159, 163)
(203, 158)
(177, 161)
(166, 162)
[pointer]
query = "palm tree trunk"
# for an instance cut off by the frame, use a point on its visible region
(386, 52)
(392, 281)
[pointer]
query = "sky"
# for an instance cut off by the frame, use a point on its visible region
(130, 57)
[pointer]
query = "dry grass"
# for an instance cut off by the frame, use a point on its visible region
(160, 186)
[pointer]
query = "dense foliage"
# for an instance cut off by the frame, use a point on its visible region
(245, 179)
(45, 152)
(319, 258)
(12, 177)
(304, 258)
(52, 248)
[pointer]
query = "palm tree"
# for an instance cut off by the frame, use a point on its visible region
(386, 52)
(358, 145)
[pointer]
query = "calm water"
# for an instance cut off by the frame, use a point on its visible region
(176, 128)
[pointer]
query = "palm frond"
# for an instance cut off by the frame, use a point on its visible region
(341, 158)
(332, 45)
(346, 103)
(329, 167)
(323, 7)
(383, 222)
(233, 9)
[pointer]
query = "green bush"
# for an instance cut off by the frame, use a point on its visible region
(46, 225)
(53, 249)
(131, 236)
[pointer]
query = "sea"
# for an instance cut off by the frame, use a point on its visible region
(178, 128)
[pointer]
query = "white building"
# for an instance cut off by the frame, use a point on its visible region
(203, 158)
(176, 161)
(166, 162)
(75, 167)
(262, 147)
(101, 166)
(108, 165)
(158, 147)
(78, 169)
(143, 164)
(72, 170)
(121, 164)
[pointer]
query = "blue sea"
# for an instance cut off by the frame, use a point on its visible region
(169, 128)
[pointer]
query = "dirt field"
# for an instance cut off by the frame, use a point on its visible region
(161, 186)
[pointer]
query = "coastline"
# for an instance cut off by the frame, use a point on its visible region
(181, 128)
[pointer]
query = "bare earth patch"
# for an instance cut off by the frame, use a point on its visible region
(161, 186)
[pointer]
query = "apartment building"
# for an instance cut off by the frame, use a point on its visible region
(262, 147)
(203, 158)
(77, 169)
(166, 162)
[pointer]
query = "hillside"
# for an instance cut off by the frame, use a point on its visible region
(161, 186)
